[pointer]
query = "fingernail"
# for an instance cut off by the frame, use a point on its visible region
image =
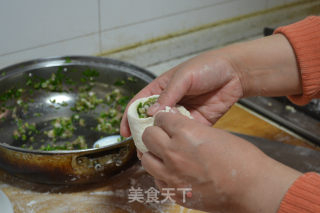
(139, 156)
(153, 109)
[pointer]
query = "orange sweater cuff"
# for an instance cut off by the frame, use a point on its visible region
(304, 37)
(303, 196)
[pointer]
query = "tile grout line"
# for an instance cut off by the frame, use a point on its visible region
(100, 31)
(210, 25)
(166, 16)
(48, 44)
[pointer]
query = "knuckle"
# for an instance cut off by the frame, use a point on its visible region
(163, 82)
(160, 119)
(182, 129)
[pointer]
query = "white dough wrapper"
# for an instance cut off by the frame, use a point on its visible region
(138, 125)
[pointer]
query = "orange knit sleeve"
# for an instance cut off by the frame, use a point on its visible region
(303, 196)
(304, 37)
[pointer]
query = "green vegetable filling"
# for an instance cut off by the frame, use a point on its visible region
(62, 128)
(143, 107)
(14, 103)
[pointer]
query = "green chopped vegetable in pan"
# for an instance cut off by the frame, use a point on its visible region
(60, 133)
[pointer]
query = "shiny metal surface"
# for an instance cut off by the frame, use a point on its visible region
(110, 71)
(76, 166)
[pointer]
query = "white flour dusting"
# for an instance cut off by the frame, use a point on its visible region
(206, 68)
(31, 203)
(106, 193)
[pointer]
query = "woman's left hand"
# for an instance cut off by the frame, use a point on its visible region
(224, 172)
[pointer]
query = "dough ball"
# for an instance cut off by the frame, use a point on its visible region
(138, 125)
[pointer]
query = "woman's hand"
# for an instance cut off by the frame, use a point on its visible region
(206, 85)
(210, 83)
(225, 173)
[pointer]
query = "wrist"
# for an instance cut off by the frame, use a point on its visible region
(265, 67)
(269, 186)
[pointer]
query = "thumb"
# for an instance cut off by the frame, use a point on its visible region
(176, 89)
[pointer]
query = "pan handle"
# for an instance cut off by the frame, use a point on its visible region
(104, 158)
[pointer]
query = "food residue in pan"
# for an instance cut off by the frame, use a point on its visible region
(59, 133)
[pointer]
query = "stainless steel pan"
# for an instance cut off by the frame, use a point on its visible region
(66, 167)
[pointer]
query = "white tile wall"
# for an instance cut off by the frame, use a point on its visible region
(87, 45)
(36, 28)
(115, 14)
(159, 27)
(32, 23)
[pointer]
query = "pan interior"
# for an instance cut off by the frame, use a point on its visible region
(65, 112)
